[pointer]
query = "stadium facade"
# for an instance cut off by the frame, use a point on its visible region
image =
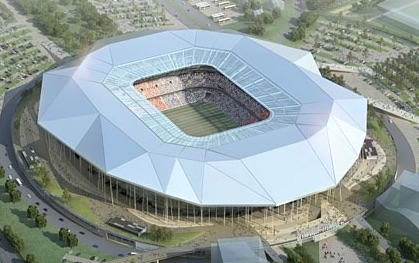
(309, 141)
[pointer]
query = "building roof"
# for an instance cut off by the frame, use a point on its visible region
(238, 250)
(93, 108)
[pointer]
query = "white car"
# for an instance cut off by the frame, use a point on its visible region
(10, 177)
(10, 166)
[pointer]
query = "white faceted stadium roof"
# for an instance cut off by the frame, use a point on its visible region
(312, 137)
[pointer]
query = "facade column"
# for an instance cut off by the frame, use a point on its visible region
(110, 189)
(202, 219)
(224, 216)
(155, 205)
(147, 201)
(135, 199)
(272, 222)
(232, 216)
(178, 210)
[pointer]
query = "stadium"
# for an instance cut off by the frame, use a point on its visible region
(198, 123)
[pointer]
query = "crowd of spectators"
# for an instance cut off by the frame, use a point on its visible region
(187, 87)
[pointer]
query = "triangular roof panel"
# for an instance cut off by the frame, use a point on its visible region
(91, 145)
(179, 185)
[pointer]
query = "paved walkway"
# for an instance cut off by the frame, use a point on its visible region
(155, 255)
(73, 258)
(332, 250)
(393, 110)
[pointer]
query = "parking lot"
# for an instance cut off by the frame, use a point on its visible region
(19, 57)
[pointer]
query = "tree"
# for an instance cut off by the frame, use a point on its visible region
(63, 234)
(42, 172)
(46, 180)
(350, 56)
(276, 13)
(257, 28)
(9, 185)
(30, 258)
(366, 52)
(16, 242)
(305, 256)
(416, 98)
(267, 18)
(2, 172)
(32, 211)
(385, 229)
(381, 120)
(409, 249)
(393, 255)
(160, 233)
(15, 195)
(367, 237)
(40, 221)
(72, 240)
(293, 256)
(66, 197)
(380, 42)
(307, 19)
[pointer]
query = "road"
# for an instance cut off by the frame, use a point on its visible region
(7, 253)
(188, 15)
(404, 153)
(28, 196)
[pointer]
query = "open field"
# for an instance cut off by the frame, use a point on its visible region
(403, 14)
(274, 30)
(200, 119)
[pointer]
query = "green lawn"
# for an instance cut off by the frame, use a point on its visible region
(277, 28)
(177, 238)
(44, 243)
(53, 188)
(80, 205)
(274, 30)
(379, 132)
(405, 97)
(313, 249)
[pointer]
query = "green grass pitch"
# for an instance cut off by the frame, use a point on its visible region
(200, 119)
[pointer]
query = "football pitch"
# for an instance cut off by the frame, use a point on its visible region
(200, 119)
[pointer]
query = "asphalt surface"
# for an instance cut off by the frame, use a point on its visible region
(7, 253)
(7, 158)
(188, 15)
(404, 153)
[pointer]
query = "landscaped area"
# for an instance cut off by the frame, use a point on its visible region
(43, 243)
